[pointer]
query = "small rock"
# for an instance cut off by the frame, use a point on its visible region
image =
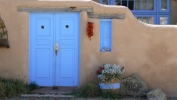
(156, 94)
(153, 93)
(133, 86)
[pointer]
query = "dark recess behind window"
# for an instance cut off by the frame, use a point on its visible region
(130, 4)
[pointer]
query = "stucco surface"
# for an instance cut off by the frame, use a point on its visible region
(96, 1)
(149, 50)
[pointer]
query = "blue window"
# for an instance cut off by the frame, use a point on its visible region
(164, 19)
(151, 10)
(105, 35)
(150, 19)
(164, 6)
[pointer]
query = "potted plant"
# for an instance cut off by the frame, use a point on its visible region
(110, 76)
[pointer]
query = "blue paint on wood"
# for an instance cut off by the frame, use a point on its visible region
(47, 68)
(67, 60)
(105, 35)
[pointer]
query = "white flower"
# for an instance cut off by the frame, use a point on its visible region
(107, 66)
(114, 66)
(110, 72)
(107, 71)
(103, 71)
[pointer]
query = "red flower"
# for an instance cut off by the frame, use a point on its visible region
(99, 71)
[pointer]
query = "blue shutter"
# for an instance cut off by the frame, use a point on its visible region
(105, 35)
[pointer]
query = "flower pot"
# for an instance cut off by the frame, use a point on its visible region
(110, 86)
(99, 78)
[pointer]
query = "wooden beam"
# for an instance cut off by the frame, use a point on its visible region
(54, 9)
(109, 16)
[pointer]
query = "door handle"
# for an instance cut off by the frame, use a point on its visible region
(56, 48)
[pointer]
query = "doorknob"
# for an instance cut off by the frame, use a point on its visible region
(56, 48)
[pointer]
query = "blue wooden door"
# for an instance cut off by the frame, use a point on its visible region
(49, 67)
(67, 58)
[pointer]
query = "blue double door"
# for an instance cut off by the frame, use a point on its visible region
(54, 54)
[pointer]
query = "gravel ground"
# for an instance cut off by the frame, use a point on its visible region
(75, 98)
(52, 95)
(49, 98)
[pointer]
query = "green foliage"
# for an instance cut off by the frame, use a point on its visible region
(88, 90)
(110, 95)
(72, 93)
(55, 88)
(2, 89)
(2, 34)
(33, 86)
(12, 87)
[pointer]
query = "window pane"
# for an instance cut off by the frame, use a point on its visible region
(131, 4)
(144, 4)
(164, 5)
(163, 20)
(151, 20)
(127, 3)
(136, 4)
(105, 2)
(150, 4)
(118, 2)
(139, 18)
(146, 20)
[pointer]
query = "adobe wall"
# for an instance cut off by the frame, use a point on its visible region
(97, 1)
(149, 50)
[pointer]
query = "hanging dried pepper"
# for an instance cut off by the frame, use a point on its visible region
(90, 30)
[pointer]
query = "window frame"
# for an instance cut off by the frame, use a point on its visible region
(160, 7)
(101, 43)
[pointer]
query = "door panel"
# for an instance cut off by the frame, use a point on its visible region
(66, 73)
(41, 49)
(42, 62)
(43, 26)
(67, 60)
(67, 27)
(48, 68)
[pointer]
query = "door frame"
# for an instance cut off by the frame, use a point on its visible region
(29, 43)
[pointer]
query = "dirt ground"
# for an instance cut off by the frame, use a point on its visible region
(48, 93)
